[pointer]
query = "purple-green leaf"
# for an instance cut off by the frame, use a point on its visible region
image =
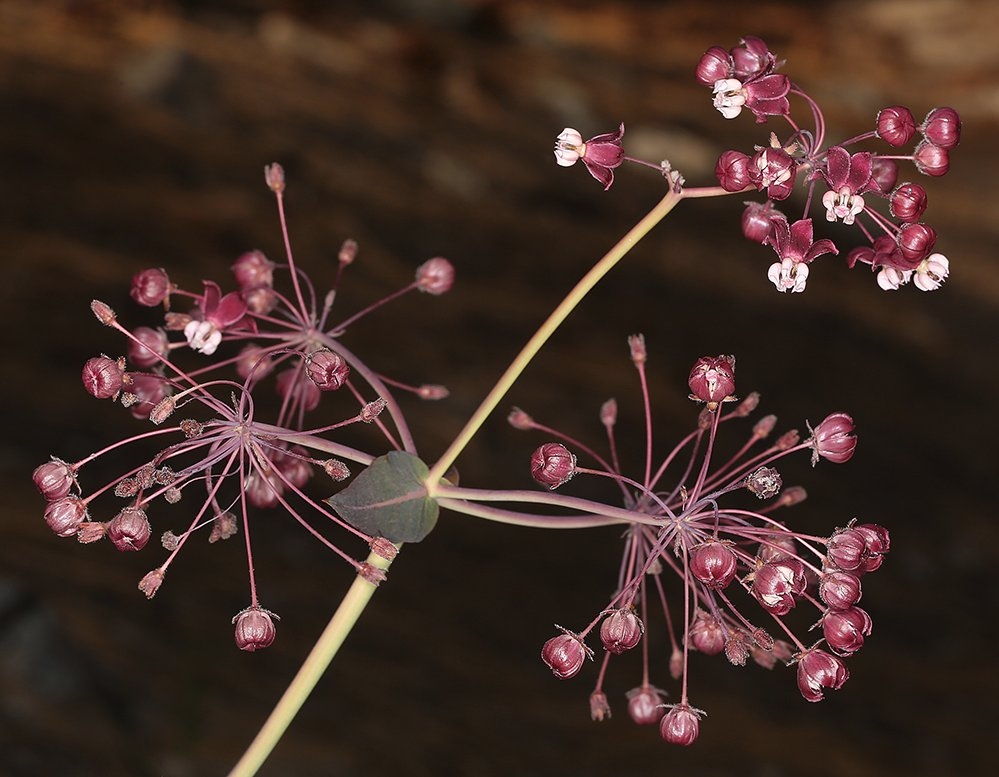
(389, 499)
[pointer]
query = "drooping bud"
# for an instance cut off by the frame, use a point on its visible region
(151, 287)
(713, 563)
(884, 173)
(552, 465)
(818, 669)
(942, 127)
(129, 530)
(103, 377)
(714, 65)
(252, 270)
(255, 628)
(712, 379)
(65, 515)
(756, 220)
(833, 439)
(645, 705)
(732, 171)
(621, 631)
(845, 630)
(435, 276)
(54, 479)
(876, 544)
(908, 203)
(896, 126)
(680, 725)
(327, 369)
(930, 159)
(707, 635)
(840, 590)
(565, 654)
(776, 583)
(149, 347)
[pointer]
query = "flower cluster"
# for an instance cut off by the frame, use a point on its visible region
(241, 440)
(741, 571)
(898, 245)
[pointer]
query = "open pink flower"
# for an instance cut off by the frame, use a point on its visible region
(218, 313)
(601, 153)
(848, 178)
(796, 248)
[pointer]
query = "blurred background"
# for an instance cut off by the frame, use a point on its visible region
(134, 135)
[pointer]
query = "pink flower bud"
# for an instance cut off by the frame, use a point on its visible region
(876, 544)
(712, 379)
(149, 347)
(263, 490)
(103, 376)
(518, 419)
(896, 126)
(732, 171)
(645, 705)
(846, 550)
(930, 159)
(552, 464)
(150, 288)
(751, 57)
(294, 465)
(54, 479)
(253, 360)
(599, 707)
(714, 65)
(833, 439)
(908, 202)
(293, 386)
(348, 252)
(884, 173)
(756, 220)
(621, 631)
(776, 583)
(713, 563)
(916, 241)
(435, 276)
(274, 177)
(608, 413)
(146, 392)
(818, 669)
(565, 654)
(255, 628)
(65, 515)
(327, 369)
(253, 269)
(845, 630)
(840, 590)
(680, 725)
(942, 127)
(129, 529)
(707, 635)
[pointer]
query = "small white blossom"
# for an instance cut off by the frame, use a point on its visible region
(569, 147)
(932, 272)
(203, 336)
(729, 97)
(788, 275)
(842, 205)
(890, 278)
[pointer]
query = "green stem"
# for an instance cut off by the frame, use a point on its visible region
(315, 665)
(547, 329)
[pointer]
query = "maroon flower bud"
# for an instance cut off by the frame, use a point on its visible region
(876, 544)
(645, 705)
(327, 369)
(65, 515)
(833, 439)
(846, 549)
(942, 127)
(908, 202)
(712, 379)
(845, 630)
(435, 276)
(621, 631)
(552, 464)
(707, 635)
(916, 241)
(253, 269)
(714, 65)
(255, 628)
(818, 669)
(680, 725)
(840, 590)
(884, 173)
(773, 169)
(150, 288)
(103, 376)
(565, 654)
(756, 220)
(129, 529)
(930, 159)
(732, 171)
(54, 479)
(274, 177)
(764, 483)
(896, 126)
(149, 346)
(776, 583)
(713, 563)
(751, 57)
(599, 707)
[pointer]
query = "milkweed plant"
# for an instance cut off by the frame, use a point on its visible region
(228, 385)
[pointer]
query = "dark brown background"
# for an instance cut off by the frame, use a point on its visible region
(134, 135)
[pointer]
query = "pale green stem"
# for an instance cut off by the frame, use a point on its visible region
(551, 324)
(315, 665)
